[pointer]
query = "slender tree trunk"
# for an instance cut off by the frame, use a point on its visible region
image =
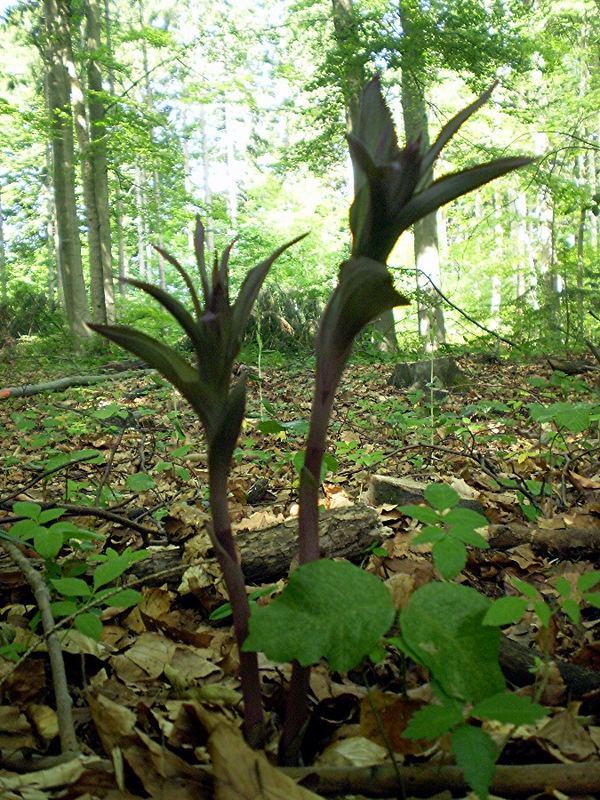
(117, 192)
(344, 24)
(156, 193)
(51, 249)
(140, 225)
(3, 272)
(56, 21)
(207, 193)
(580, 271)
(232, 193)
(97, 152)
(97, 296)
(427, 261)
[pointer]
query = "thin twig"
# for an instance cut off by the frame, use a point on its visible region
(64, 703)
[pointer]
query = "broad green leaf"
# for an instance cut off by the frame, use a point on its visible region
(593, 598)
(442, 626)
(471, 538)
(63, 608)
(433, 721)
(110, 570)
(49, 514)
(140, 482)
(525, 588)
(563, 587)
(571, 608)
(47, 543)
(476, 755)
(588, 580)
(422, 514)
(428, 535)
(270, 426)
(544, 612)
(450, 556)
(441, 496)
(90, 625)
(329, 609)
(465, 520)
(26, 509)
(124, 599)
(510, 708)
(505, 611)
(25, 529)
(181, 452)
(71, 587)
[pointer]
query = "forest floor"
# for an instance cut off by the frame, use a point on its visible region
(125, 459)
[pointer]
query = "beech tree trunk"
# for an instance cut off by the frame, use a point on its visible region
(3, 273)
(117, 192)
(56, 56)
(432, 327)
(97, 153)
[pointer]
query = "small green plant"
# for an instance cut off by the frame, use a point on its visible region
(66, 551)
(448, 528)
(393, 190)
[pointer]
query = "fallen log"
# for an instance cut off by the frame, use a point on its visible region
(61, 384)
(423, 781)
(266, 554)
(567, 542)
(516, 661)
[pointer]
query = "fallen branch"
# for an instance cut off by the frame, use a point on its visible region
(64, 704)
(61, 384)
(425, 780)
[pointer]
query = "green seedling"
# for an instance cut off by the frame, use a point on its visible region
(448, 528)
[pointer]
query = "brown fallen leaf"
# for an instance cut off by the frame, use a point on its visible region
(384, 717)
(241, 773)
(581, 482)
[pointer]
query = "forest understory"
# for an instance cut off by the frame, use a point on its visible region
(156, 698)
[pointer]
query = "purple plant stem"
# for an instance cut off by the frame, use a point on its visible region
(236, 588)
(297, 708)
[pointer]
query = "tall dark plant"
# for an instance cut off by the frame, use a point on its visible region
(215, 331)
(393, 190)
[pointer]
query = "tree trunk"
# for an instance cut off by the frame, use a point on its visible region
(353, 80)
(140, 223)
(98, 300)
(3, 273)
(97, 152)
(61, 129)
(54, 287)
(117, 191)
(427, 262)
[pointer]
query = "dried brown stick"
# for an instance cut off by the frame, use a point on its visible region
(512, 781)
(64, 704)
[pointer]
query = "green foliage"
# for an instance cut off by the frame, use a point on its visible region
(66, 549)
(464, 659)
(447, 528)
(329, 609)
(476, 754)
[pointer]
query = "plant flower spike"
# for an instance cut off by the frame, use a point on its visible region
(393, 189)
(215, 333)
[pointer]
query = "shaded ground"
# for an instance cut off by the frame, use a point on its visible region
(132, 447)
